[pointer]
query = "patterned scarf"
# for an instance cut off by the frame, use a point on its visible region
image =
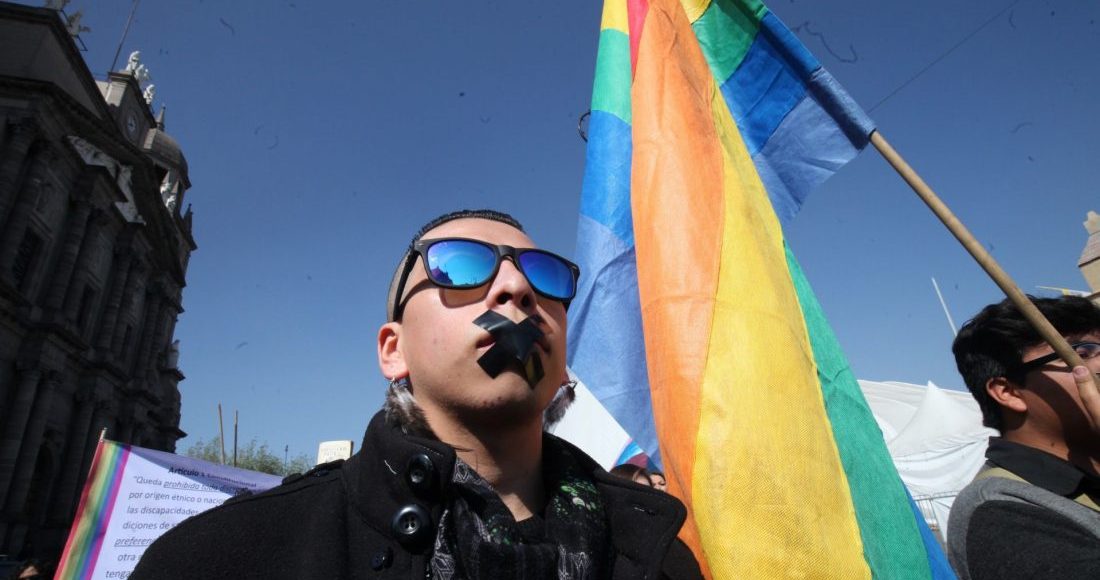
(478, 537)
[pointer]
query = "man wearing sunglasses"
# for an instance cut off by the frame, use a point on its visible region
(1032, 511)
(456, 478)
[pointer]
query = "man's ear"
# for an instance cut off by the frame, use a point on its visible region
(1006, 394)
(390, 358)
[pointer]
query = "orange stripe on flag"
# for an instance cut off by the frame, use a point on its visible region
(677, 201)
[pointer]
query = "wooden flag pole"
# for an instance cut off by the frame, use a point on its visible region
(986, 261)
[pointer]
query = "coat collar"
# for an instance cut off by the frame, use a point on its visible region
(1040, 468)
(395, 473)
(643, 521)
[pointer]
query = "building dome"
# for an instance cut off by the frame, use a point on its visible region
(164, 150)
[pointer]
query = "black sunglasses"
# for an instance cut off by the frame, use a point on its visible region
(462, 263)
(1085, 350)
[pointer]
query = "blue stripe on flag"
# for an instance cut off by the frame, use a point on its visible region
(806, 149)
(761, 92)
(605, 195)
(843, 109)
(801, 61)
(606, 347)
(937, 561)
(798, 123)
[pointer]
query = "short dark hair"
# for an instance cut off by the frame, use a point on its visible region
(630, 471)
(483, 214)
(992, 344)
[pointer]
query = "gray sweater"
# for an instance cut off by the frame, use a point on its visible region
(1002, 528)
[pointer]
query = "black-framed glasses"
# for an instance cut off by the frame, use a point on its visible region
(1086, 350)
(462, 263)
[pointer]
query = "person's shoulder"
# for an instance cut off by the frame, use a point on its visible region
(1006, 528)
(261, 517)
(977, 494)
(680, 563)
(586, 463)
(295, 488)
(1013, 539)
(986, 489)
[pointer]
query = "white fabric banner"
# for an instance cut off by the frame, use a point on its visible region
(133, 495)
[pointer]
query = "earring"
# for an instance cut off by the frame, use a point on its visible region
(565, 396)
(401, 408)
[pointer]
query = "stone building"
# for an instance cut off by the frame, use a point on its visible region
(93, 256)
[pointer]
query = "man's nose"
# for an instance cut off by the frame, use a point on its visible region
(511, 286)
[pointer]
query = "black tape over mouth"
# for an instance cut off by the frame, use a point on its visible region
(514, 345)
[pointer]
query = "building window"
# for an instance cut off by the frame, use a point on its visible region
(25, 258)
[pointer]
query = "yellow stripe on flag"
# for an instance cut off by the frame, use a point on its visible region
(694, 8)
(771, 498)
(614, 16)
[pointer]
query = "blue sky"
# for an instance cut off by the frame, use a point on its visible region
(321, 135)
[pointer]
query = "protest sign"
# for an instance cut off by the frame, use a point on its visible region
(133, 495)
(334, 450)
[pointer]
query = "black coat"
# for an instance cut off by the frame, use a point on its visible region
(374, 516)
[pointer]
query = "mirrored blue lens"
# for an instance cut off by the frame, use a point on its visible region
(548, 274)
(460, 263)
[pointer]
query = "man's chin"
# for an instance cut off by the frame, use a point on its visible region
(507, 399)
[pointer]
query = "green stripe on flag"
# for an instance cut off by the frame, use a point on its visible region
(892, 542)
(611, 89)
(726, 30)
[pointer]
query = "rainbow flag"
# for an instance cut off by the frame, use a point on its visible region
(93, 515)
(694, 324)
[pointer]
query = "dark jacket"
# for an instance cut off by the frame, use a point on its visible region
(374, 516)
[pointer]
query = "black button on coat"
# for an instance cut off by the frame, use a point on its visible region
(372, 518)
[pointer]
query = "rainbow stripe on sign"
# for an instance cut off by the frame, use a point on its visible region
(94, 512)
(694, 324)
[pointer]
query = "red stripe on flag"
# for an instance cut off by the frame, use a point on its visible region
(636, 11)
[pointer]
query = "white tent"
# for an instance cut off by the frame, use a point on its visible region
(935, 437)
